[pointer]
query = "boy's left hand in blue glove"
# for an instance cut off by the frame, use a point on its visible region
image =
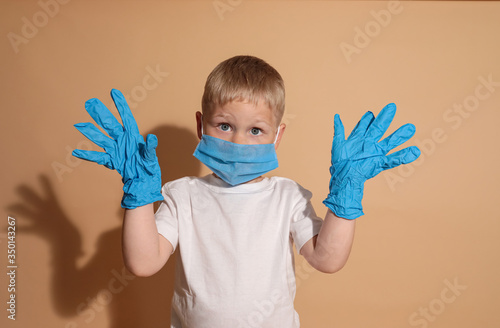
(362, 156)
(126, 151)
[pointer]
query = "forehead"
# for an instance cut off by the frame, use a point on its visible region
(245, 110)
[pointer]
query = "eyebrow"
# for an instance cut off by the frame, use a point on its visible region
(227, 115)
(263, 122)
(221, 115)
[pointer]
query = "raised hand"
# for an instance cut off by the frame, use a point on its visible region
(362, 156)
(126, 151)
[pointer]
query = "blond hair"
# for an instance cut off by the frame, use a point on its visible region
(244, 78)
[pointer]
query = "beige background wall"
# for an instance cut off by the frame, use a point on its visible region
(425, 253)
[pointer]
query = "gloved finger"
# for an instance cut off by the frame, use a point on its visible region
(338, 128)
(403, 156)
(381, 122)
(398, 137)
(95, 135)
(360, 128)
(125, 113)
(103, 117)
(148, 150)
(94, 156)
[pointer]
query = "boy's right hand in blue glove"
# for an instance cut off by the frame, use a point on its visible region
(126, 151)
(361, 157)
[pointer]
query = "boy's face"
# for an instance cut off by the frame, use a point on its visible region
(241, 122)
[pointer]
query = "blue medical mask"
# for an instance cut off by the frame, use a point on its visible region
(236, 163)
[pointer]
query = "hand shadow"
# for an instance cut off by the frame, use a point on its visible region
(103, 284)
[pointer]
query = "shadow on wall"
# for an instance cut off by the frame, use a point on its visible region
(104, 285)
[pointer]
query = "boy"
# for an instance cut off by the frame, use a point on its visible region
(234, 228)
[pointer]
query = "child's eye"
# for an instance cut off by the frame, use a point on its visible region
(255, 131)
(225, 127)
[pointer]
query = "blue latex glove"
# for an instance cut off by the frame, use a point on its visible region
(126, 151)
(361, 157)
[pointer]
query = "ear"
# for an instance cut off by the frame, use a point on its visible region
(199, 123)
(280, 134)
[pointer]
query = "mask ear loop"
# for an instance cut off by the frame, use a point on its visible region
(277, 134)
(202, 124)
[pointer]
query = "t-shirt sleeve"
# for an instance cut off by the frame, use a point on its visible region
(166, 217)
(305, 223)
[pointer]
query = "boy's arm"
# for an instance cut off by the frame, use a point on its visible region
(329, 250)
(145, 251)
(354, 160)
(134, 158)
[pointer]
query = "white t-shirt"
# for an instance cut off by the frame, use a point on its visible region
(235, 266)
